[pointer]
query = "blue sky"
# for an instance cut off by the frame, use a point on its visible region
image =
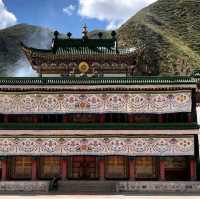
(69, 15)
(49, 13)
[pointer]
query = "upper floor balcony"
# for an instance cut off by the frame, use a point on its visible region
(98, 121)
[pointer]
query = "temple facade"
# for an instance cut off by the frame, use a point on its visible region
(89, 118)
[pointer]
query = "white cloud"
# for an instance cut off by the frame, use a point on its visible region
(69, 9)
(115, 12)
(6, 18)
(112, 25)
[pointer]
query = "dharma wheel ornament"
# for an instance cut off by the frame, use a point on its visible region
(83, 67)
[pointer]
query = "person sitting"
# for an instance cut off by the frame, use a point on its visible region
(54, 183)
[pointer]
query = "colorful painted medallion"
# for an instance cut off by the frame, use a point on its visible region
(83, 67)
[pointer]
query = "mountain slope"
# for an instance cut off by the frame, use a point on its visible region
(170, 30)
(12, 60)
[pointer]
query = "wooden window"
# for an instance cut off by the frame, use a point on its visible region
(175, 163)
(21, 167)
(1, 118)
(145, 118)
(20, 118)
(40, 118)
(53, 118)
(49, 167)
(116, 167)
(108, 118)
(83, 118)
(145, 167)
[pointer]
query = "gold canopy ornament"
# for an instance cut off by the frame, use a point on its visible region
(83, 67)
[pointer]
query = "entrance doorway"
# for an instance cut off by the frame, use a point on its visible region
(177, 168)
(84, 168)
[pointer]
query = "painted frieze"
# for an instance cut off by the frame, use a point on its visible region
(137, 146)
(24, 103)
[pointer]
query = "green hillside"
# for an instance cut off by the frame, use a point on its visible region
(170, 32)
(167, 34)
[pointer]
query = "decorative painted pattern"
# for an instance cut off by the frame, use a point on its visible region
(159, 187)
(24, 186)
(97, 146)
(169, 102)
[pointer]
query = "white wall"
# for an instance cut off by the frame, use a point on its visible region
(198, 115)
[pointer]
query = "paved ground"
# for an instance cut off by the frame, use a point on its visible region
(97, 197)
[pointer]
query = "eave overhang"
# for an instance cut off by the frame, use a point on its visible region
(47, 62)
(42, 84)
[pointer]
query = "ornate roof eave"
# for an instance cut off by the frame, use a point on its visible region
(135, 80)
(48, 54)
(43, 61)
(27, 51)
(96, 84)
(84, 88)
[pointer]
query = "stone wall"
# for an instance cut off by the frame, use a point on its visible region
(24, 186)
(160, 187)
(122, 186)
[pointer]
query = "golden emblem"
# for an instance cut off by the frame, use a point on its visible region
(83, 67)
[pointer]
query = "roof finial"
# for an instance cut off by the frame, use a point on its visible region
(69, 34)
(85, 31)
(56, 33)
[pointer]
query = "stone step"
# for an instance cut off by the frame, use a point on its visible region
(86, 187)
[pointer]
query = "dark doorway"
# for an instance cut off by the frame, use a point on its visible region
(177, 168)
(84, 168)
